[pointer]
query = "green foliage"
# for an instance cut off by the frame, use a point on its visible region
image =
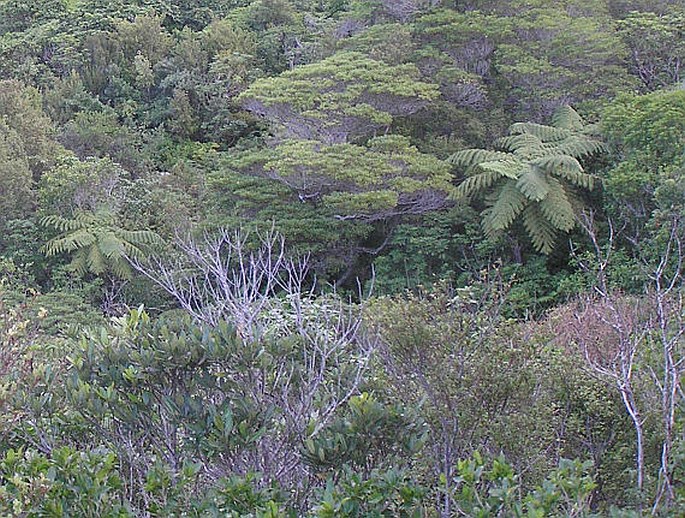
(559, 58)
(539, 55)
(645, 134)
(98, 245)
(15, 177)
(380, 494)
(100, 134)
(68, 482)
(657, 45)
(341, 97)
(455, 356)
(649, 126)
(194, 396)
(239, 496)
(386, 177)
(252, 202)
(330, 121)
(444, 245)
(532, 178)
(391, 43)
(74, 185)
(365, 436)
(485, 490)
(22, 117)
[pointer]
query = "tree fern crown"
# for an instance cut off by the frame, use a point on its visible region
(96, 243)
(532, 176)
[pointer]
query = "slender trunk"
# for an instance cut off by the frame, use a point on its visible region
(669, 389)
(631, 407)
(664, 494)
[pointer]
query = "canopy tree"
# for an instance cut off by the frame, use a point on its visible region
(15, 176)
(525, 57)
(387, 177)
(338, 99)
(657, 45)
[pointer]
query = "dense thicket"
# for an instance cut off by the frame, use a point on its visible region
(342, 258)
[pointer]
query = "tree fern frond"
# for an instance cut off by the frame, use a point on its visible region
(578, 147)
(520, 143)
(584, 180)
(532, 179)
(102, 217)
(96, 261)
(552, 162)
(540, 229)
(557, 207)
(132, 251)
(533, 184)
(140, 237)
(78, 239)
(472, 157)
(506, 207)
(60, 224)
(97, 243)
(566, 117)
(540, 131)
(477, 182)
(121, 268)
(111, 246)
(592, 130)
(507, 168)
(79, 262)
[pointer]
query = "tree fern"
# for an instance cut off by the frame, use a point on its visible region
(96, 243)
(531, 176)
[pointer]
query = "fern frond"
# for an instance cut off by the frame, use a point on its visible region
(557, 207)
(540, 229)
(540, 131)
(472, 157)
(506, 207)
(507, 168)
(578, 146)
(89, 218)
(584, 180)
(553, 162)
(533, 184)
(521, 144)
(121, 268)
(59, 223)
(132, 251)
(533, 177)
(140, 237)
(477, 182)
(566, 117)
(95, 261)
(79, 262)
(111, 246)
(79, 239)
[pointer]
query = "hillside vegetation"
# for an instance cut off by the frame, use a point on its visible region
(342, 258)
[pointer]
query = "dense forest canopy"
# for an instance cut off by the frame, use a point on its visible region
(359, 258)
